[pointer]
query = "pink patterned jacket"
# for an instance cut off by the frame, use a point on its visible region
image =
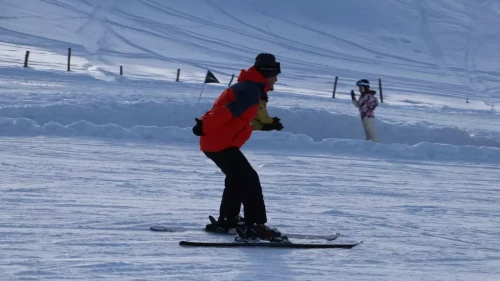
(367, 103)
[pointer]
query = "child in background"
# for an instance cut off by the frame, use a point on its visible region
(367, 103)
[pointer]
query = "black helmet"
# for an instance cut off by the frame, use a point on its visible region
(363, 83)
(267, 65)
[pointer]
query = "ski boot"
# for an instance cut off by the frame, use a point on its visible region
(259, 232)
(224, 225)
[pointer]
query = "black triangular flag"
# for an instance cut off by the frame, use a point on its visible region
(210, 78)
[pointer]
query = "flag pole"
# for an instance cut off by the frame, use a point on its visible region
(202, 87)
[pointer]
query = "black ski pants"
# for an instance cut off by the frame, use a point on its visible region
(242, 185)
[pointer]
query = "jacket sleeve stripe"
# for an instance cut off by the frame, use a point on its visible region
(246, 96)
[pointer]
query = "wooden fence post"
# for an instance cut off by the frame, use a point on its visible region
(69, 59)
(380, 89)
(26, 58)
(335, 86)
(178, 74)
(231, 81)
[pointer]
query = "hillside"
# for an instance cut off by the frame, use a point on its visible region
(440, 49)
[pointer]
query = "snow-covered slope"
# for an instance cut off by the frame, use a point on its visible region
(427, 54)
(89, 159)
(437, 48)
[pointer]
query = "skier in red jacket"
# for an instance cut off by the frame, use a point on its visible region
(223, 130)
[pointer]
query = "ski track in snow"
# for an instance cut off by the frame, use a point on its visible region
(129, 30)
(92, 215)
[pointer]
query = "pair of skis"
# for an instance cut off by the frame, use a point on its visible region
(334, 236)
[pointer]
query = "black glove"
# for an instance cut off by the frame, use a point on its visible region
(276, 120)
(353, 95)
(267, 127)
(273, 126)
(278, 126)
(198, 128)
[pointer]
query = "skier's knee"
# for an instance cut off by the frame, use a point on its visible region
(251, 175)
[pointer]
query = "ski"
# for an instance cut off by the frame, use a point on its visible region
(163, 228)
(269, 245)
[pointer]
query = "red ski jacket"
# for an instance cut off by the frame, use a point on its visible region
(227, 124)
